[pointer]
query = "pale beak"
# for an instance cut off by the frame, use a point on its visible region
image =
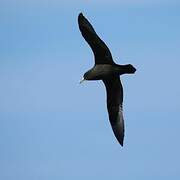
(82, 80)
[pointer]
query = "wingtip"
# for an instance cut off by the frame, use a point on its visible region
(80, 18)
(119, 137)
(80, 15)
(119, 134)
(121, 143)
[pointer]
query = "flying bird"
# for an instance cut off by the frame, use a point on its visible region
(109, 72)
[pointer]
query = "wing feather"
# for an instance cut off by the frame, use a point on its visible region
(114, 105)
(101, 52)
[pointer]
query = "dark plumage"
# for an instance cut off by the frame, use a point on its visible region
(108, 71)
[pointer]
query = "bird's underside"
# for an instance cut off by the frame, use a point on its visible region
(112, 83)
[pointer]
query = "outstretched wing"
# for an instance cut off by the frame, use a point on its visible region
(101, 52)
(114, 91)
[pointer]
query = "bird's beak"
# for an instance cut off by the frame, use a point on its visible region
(82, 80)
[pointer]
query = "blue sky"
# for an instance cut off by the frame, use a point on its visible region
(53, 128)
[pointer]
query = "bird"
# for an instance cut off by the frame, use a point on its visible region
(109, 72)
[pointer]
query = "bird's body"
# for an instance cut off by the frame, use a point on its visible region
(106, 70)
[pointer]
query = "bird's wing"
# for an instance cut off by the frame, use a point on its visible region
(101, 52)
(114, 91)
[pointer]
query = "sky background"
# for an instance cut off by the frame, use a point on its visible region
(53, 128)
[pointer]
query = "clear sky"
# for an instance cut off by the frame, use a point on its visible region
(53, 128)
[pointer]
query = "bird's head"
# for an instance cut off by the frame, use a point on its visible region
(85, 77)
(89, 75)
